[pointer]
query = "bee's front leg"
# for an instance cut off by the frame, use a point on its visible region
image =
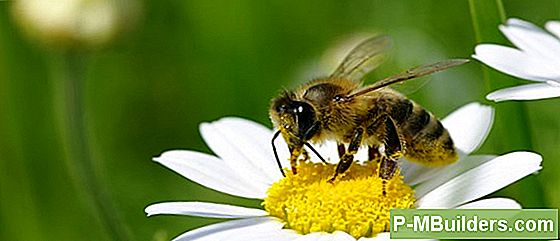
(295, 152)
(293, 162)
(348, 157)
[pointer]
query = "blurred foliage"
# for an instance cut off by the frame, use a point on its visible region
(187, 62)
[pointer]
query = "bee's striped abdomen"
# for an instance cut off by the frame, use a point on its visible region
(424, 138)
(401, 110)
(427, 141)
(417, 121)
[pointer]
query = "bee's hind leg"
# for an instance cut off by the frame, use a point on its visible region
(387, 168)
(393, 148)
(347, 157)
(386, 132)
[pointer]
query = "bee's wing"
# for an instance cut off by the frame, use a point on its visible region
(410, 87)
(411, 74)
(363, 58)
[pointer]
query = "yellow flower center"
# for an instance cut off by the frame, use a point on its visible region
(354, 203)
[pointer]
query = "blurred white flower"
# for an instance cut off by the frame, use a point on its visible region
(536, 58)
(74, 22)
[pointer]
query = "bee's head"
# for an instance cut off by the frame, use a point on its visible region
(296, 119)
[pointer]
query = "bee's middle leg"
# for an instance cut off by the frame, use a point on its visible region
(347, 158)
(374, 154)
(341, 149)
(304, 155)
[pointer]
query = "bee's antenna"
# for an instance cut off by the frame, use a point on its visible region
(276, 152)
(316, 153)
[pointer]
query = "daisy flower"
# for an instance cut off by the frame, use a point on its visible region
(305, 207)
(536, 58)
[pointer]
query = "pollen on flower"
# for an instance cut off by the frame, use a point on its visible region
(354, 203)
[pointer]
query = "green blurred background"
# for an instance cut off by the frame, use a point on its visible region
(186, 62)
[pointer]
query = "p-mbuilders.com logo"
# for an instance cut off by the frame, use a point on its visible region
(474, 223)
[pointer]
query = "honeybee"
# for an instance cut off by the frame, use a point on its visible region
(340, 108)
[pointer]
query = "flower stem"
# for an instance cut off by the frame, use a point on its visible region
(69, 96)
(512, 124)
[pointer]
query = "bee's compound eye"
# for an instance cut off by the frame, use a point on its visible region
(304, 117)
(304, 110)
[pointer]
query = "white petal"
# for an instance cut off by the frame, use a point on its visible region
(311, 237)
(322, 236)
(515, 62)
(469, 126)
(525, 92)
(342, 236)
(519, 23)
(430, 178)
(482, 180)
(227, 230)
(202, 209)
(532, 40)
(379, 237)
(245, 147)
(210, 172)
(492, 203)
(263, 235)
(553, 27)
(328, 150)
(411, 171)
